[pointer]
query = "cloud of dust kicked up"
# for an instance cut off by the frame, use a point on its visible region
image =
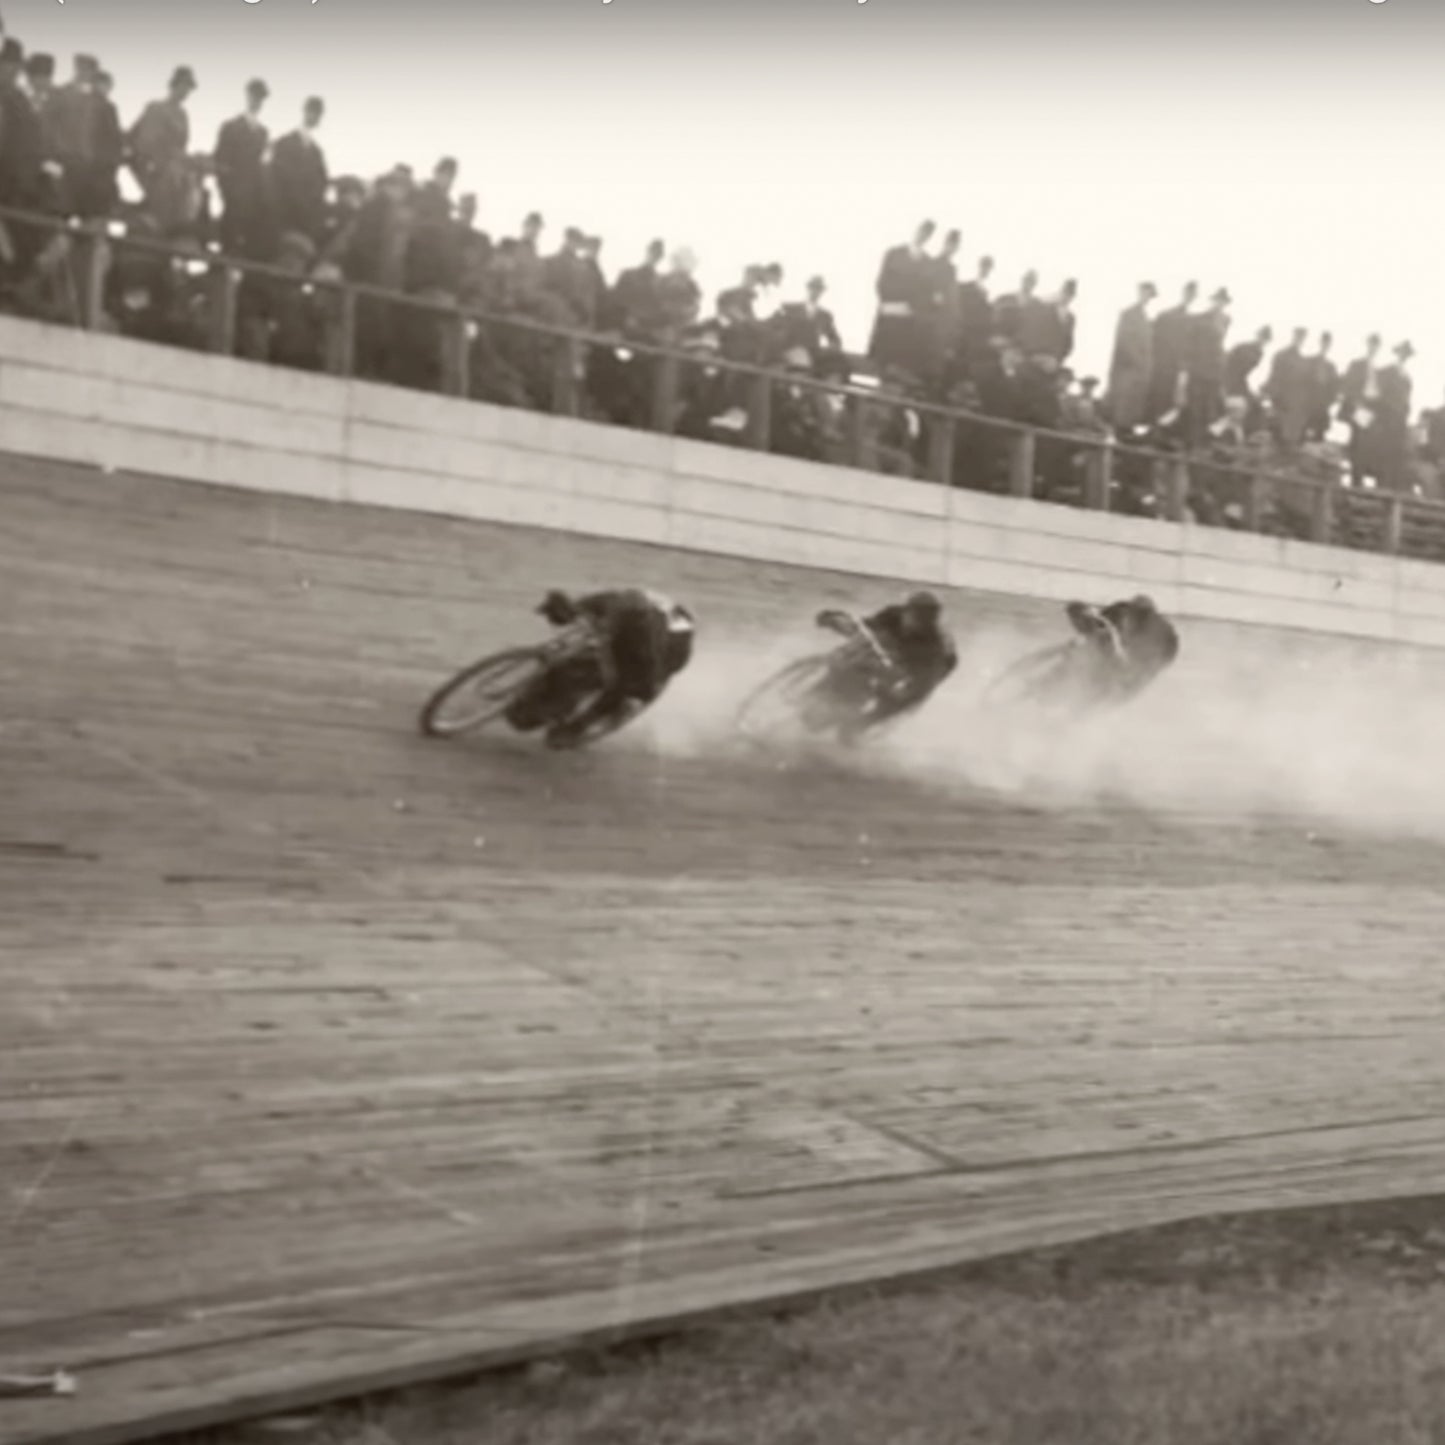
(1247, 725)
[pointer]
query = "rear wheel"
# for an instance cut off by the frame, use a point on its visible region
(480, 694)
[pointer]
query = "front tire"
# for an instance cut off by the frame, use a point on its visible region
(1033, 678)
(777, 703)
(478, 695)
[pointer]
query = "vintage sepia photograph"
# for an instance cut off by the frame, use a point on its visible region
(722, 722)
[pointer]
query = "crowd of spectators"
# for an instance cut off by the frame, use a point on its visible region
(1175, 383)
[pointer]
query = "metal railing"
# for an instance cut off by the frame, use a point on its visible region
(89, 275)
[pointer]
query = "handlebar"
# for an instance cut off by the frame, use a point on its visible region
(856, 630)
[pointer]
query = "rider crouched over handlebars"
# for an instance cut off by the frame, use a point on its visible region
(920, 651)
(643, 640)
(1133, 640)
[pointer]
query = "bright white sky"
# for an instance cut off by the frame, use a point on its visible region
(1288, 150)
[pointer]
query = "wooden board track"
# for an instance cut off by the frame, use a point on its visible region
(332, 1058)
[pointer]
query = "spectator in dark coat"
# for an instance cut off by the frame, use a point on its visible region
(1432, 424)
(525, 263)
(567, 276)
(1172, 329)
(596, 277)
(476, 251)
(241, 148)
(348, 198)
(905, 289)
(72, 120)
(974, 327)
(1018, 312)
(298, 176)
(1359, 396)
(21, 144)
(109, 148)
(1324, 389)
(434, 248)
(159, 145)
(1056, 324)
(40, 81)
(808, 326)
(679, 296)
(1388, 438)
(634, 305)
(1133, 362)
(1288, 389)
(1240, 363)
(1204, 366)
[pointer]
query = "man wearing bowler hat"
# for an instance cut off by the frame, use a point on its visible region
(159, 143)
(241, 148)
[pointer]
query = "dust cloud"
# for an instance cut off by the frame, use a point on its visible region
(1248, 725)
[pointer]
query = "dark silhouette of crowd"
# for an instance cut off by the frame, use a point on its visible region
(1176, 384)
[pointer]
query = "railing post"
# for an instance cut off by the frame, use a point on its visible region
(1021, 464)
(456, 351)
(665, 379)
(1322, 523)
(94, 268)
(856, 434)
(1254, 501)
(760, 412)
(341, 342)
(564, 376)
(940, 448)
(1176, 497)
(1099, 477)
(1394, 524)
(222, 285)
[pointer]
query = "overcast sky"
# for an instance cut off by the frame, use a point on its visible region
(1285, 148)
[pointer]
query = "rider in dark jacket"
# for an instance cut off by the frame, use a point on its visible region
(920, 649)
(1133, 638)
(644, 640)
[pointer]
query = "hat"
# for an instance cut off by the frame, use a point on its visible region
(86, 62)
(1404, 349)
(1222, 296)
(816, 283)
(258, 87)
(40, 64)
(184, 75)
(12, 51)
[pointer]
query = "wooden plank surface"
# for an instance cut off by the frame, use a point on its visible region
(331, 1057)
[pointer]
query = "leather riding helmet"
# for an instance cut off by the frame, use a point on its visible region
(925, 603)
(557, 607)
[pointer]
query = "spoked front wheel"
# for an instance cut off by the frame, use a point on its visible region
(480, 694)
(779, 704)
(1034, 678)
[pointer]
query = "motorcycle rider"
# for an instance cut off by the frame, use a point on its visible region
(644, 639)
(1133, 640)
(920, 653)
